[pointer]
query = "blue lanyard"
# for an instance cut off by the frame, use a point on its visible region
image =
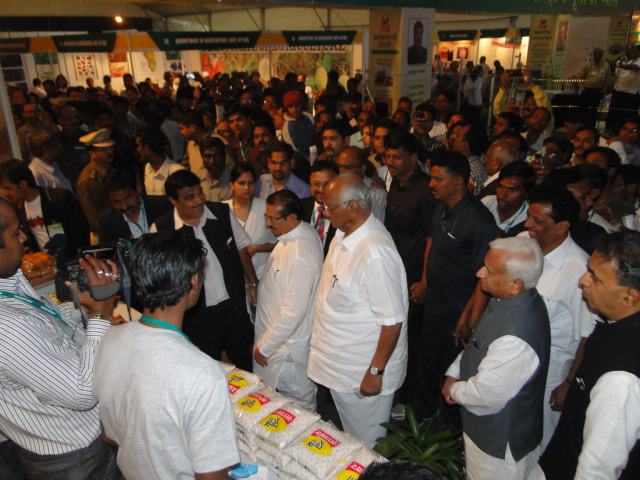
(508, 226)
(36, 303)
(162, 324)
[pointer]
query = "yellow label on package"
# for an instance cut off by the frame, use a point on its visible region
(321, 442)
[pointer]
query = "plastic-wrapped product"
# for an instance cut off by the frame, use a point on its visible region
(227, 367)
(355, 465)
(321, 449)
(241, 384)
(252, 408)
(285, 424)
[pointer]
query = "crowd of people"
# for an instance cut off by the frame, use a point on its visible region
(335, 248)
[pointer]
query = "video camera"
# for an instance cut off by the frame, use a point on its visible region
(118, 252)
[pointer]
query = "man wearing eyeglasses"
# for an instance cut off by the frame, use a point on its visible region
(354, 160)
(286, 296)
(359, 339)
(457, 242)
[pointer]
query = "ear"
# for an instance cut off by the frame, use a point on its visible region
(23, 185)
(173, 202)
(631, 298)
(414, 159)
(346, 141)
(517, 287)
(195, 283)
(563, 227)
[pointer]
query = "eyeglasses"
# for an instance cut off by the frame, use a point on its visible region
(327, 207)
(273, 219)
(347, 167)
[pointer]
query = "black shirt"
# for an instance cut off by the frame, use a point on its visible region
(459, 242)
(408, 217)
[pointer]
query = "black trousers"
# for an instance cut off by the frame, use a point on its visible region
(224, 326)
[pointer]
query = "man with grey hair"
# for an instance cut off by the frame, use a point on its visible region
(359, 338)
(499, 379)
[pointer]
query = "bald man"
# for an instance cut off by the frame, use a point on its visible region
(359, 339)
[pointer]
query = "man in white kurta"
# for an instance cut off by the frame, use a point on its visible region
(569, 316)
(286, 296)
(359, 339)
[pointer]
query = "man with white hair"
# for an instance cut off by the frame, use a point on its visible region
(359, 338)
(499, 379)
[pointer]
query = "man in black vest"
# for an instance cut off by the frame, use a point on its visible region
(220, 320)
(597, 436)
(499, 379)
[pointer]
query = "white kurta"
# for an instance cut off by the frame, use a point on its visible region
(569, 317)
(286, 296)
(363, 288)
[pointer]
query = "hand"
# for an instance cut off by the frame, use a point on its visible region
(377, 182)
(558, 396)
(462, 333)
(446, 390)
(98, 273)
(371, 385)
(252, 250)
(252, 295)
(418, 292)
(260, 359)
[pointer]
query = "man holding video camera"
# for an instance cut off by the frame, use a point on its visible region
(48, 407)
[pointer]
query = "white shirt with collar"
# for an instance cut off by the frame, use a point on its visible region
(363, 288)
(569, 317)
(49, 176)
(214, 288)
(491, 202)
(154, 181)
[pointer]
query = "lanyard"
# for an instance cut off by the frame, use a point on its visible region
(162, 324)
(143, 225)
(38, 304)
(513, 219)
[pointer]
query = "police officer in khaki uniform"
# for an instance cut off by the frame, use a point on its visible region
(89, 188)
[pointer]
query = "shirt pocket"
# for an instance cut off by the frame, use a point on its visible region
(341, 294)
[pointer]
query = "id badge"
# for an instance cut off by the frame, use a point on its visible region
(54, 229)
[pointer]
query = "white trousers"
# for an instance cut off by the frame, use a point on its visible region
(481, 466)
(361, 417)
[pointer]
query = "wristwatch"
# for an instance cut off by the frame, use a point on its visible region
(375, 371)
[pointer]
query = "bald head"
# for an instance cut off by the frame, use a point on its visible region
(499, 154)
(352, 160)
(347, 202)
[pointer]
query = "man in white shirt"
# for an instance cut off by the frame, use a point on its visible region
(157, 167)
(45, 147)
(509, 206)
(220, 320)
(359, 339)
(163, 401)
(597, 436)
(552, 211)
(499, 378)
(286, 296)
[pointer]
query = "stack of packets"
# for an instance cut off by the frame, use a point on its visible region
(293, 442)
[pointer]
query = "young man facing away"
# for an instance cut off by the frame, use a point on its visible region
(163, 401)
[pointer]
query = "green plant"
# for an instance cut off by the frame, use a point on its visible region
(441, 451)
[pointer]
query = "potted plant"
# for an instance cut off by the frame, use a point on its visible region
(441, 451)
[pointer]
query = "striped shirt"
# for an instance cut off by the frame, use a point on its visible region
(47, 401)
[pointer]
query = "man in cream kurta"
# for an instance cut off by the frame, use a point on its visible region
(359, 339)
(286, 296)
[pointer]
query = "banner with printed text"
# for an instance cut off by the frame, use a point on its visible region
(541, 37)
